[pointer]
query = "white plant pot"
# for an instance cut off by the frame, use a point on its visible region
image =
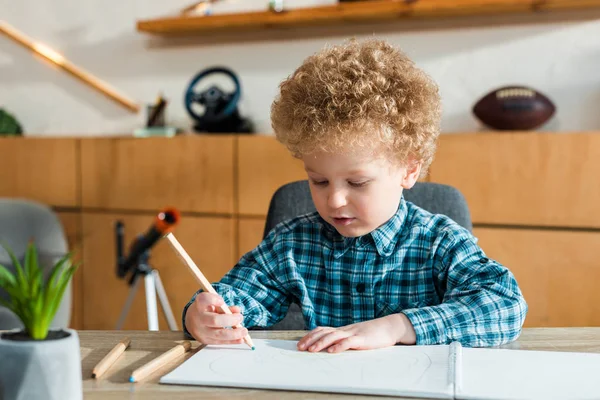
(41, 369)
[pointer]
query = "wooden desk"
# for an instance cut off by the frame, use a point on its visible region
(147, 345)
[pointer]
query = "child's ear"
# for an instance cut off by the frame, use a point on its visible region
(411, 175)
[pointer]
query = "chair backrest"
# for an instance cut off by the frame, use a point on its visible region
(293, 199)
(24, 220)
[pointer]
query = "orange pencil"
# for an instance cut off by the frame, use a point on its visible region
(204, 283)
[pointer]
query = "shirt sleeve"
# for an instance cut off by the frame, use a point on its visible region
(482, 304)
(256, 284)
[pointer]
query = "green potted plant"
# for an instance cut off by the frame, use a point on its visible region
(38, 362)
(9, 126)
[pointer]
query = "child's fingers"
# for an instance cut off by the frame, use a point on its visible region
(222, 335)
(216, 320)
(237, 341)
(327, 340)
(352, 342)
(209, 302)
(312, 337)
(235, 309)
(205, 299)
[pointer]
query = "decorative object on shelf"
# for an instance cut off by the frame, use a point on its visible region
(156, 112)
(155, 123)
(62, 62)
(276, 5)
(38, 362)
(514, 108)
(220, 112)
(201, 7)
(280, 6)
(205, 8)
(9, 126)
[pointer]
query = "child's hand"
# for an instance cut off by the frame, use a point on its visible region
(380, 332)
(205, 321)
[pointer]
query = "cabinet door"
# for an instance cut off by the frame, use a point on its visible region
(263, 166)
(40, 169)
(558, 272)
(192, 173)
(250, 234)
(530, 179)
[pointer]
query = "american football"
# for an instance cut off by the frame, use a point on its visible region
(514, 108)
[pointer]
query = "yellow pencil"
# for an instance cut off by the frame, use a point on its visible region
(159, 361)
(204, 283)
(110, 358)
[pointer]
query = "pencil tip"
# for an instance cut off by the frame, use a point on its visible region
(93, 376)
(253, 348)
(131, 379)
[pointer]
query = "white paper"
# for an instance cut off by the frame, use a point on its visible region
(444, 372)
(417, 371)
(490, 374)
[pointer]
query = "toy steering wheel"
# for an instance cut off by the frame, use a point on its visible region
(218, 104)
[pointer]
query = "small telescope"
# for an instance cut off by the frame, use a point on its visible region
(164, 223)
(137, 264)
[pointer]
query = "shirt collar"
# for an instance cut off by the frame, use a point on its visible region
(384, 238)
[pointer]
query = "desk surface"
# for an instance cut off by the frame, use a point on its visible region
(145, 346)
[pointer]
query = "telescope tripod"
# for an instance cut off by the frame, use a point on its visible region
(153, 288)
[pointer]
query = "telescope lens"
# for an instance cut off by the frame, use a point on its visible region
(169, 216)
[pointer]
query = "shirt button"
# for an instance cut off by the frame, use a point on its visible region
(484, 260)
(360, 288)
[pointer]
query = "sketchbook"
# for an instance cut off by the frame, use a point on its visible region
(436, 372)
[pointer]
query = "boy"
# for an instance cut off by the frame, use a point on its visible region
(368, 269)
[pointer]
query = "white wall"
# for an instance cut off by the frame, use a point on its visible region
(561, 58)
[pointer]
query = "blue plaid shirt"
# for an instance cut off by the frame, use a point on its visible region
(420, 264)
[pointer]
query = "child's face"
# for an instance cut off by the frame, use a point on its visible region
(356, 193)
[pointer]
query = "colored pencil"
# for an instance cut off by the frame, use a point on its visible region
(160, 361)
(110, 358)
(204, 283)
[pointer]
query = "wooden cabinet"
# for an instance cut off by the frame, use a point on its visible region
(533, 199)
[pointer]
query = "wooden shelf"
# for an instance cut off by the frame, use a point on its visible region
(353, 12)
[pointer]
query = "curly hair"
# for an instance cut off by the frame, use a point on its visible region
(357, 94)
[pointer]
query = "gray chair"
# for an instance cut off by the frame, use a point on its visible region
(293, 199)
(21, 221)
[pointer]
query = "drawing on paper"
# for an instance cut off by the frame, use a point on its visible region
(270, 359)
